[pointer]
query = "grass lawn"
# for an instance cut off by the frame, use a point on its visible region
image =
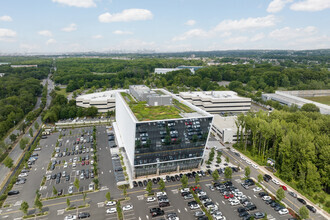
(185, 108)
(149, 113)
(62, 92)
(321, 99)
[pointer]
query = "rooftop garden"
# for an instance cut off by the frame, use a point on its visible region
(143, 112)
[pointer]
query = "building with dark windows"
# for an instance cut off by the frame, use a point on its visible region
(217, 102)
(161, 138)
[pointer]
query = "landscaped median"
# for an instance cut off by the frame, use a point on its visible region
(34, 215)
(207, 213)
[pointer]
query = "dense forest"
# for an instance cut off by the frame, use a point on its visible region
(19, 88)
(299, 142)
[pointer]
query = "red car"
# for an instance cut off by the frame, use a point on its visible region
(283, 187)
(83, 163)
(228, 196)
(87, 162)
(195, 187)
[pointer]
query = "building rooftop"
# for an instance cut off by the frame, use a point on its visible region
(178, 109)
(212, 94)
(99, 96)
(225, 122)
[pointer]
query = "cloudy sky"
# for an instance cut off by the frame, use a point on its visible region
(54, 26)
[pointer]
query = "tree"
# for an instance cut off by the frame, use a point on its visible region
(31, 132)
(68, 203)
(36, 125)
(54, 191)
(96, 181)
(227, 159)
(280, 194)
(38, 204)
(125, 191)
(303, 212)
(310, 107)
(76, 183)
(260, 178)
(161, 185)
(215, 175)
(23, 142)
(84, 196)
(24, 207)
(149, 187)
(8, 162)
(196, 179)
(13, 137)
(247, 171)
(228, 173)
(107, 196)
(38, 195)
(184, 181)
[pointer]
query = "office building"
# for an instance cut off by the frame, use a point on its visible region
(166, 70)
(103, 101)
(217, 102)
(161, 138)
(225, 129)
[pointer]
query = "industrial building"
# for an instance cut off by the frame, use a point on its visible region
(217, 102)
(166, 70)
(290, 98)
(103, 101)
(161, 138)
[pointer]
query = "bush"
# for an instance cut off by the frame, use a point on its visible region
(327, 204)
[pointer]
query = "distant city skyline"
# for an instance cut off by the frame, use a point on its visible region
(61, 26)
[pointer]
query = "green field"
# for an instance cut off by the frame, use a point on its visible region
(62, 92)
(320, 99)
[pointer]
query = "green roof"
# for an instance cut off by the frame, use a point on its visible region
(143, 112)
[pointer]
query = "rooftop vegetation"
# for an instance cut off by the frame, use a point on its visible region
(182, 106)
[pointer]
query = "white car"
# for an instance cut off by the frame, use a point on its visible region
(75, 159)
(65, 164)
(92, 162)
(238, 194)
(248, 162)
(235, 202)
(256, 189)
(127, 207)
(283, 211)
(23, 175)
(201, 193)
(265, 198)
(151, 199)
(70, 217)
(48, 177)
(161, 194)
(77, 172)
(70, 190)
(82, 176)
(91, 186)
(255, 166)
(110, 203)
(275, 181)
(211, 188)
(111, 211)
(74, 164)
(194, 206)
(184, 190)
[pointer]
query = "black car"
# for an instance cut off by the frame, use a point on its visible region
(243, 214)
(251, 207)
(262, 194)
(158, 213)
(164, 204)
(58, 180)
(241, 209)
(154, 180)
(13, 192)
(155, 210)
(145, 183)
(140, 184)
(168, 178)
(311, 208)
(302, 201)
(83, 215)
(209, 172)
(249, 182)
(268, 202)
(60, 192)
(173, 178)
(177, 177)
(135, 184)
(203, 218)
(267, 177)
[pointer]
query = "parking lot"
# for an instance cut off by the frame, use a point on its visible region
(72, 160)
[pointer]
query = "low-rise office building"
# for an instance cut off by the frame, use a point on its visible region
(225, 129)
(161, 139)
(217, 102)
(103, 101)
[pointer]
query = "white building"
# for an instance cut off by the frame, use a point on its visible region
(158, 146)
(165, 70)
(291, 98)
(225, 129)
(103, 101)
(216, 102)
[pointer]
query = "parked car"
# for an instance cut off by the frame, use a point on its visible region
(302, 201)
(111, 210)
(83, 215)
(311, 208)
(13, 192)
(127, 207)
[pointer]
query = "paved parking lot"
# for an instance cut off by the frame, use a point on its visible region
(72, 165)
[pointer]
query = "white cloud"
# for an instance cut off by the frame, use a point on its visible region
(288, 33)
(45, 33)
(6, 18)
(126, 15)
(50, 41)
(119, 32)
(246, 23)
(99, 36)
(277, 5)
(7, 35)
(237, 40)
(190, 22)
(190, 34)
(70, 28)
(28, 47)
(257, 37)
(310, 5)
(77, 3)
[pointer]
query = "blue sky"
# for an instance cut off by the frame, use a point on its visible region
(56, 26)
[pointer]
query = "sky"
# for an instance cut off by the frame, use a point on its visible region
(61, 26)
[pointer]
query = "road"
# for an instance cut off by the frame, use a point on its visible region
(16, 152)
